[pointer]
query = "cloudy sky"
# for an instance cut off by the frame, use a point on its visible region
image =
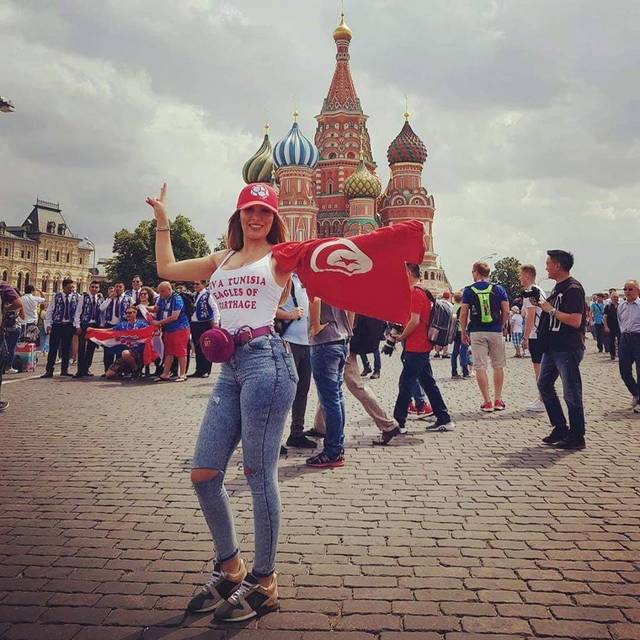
(529, 110)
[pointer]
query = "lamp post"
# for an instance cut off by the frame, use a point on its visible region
(6, 106)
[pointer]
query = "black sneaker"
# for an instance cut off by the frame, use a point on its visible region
(323, 461)
(312, 433)
(455, 375)
(365, 373)
(217, 590)
(66, 374)
(375, 375)
(47, 374)
(283, 450)
(571, 443)
(441, 425)
(249, 600)
(3, 404)
(556, 435)
(301, 442)
(386, 437)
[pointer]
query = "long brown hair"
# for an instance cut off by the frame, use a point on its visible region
(235, 238)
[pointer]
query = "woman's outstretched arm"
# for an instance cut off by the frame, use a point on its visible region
(168, 267)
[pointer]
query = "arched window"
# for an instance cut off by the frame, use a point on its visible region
(19, 283)
(27, 279)
(45, 285)
(351, 155)
(79, 286)
(5, 276)
(46, 254)
(56, 285)
(330, 187)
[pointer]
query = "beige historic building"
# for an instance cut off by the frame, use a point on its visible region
(42, 251)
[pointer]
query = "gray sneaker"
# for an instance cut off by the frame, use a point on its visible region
(250, 600)
(217, 589)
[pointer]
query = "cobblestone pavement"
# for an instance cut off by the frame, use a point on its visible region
(481, 533)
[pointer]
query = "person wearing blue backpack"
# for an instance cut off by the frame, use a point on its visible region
(483, 314)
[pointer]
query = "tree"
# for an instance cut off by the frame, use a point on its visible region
(222, 242)
(135, 252)
(507, 273)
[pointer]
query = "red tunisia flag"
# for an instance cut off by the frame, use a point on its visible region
(365, 274)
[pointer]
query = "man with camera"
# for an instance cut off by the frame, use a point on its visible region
(561, 331)
(10, 309)
(416, 364)
(531, 297)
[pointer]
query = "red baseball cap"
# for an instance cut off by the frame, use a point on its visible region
(258, 193)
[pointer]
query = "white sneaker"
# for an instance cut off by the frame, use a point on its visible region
(403, 431)
(636, 409)
(12, 371)
(537, 406)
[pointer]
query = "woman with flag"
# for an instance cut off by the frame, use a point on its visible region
(257, 383)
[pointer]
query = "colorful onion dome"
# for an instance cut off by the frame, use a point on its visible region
(259, 167)
(342, 31)
(295, 150)
(362, 183)
(407, 147)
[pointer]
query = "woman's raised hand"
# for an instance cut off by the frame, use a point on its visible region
(159, 208)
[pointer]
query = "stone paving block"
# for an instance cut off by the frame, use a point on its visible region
(477, 534)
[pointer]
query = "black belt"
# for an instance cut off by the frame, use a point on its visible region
(344, 341)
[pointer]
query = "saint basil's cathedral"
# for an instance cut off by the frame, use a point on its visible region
(330, 188)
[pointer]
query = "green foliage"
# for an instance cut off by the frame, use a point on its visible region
(507, 273)
(134, 251)
(222, 243)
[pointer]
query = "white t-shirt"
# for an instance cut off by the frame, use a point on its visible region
(517, 323)
(30, 306)
(526, 305)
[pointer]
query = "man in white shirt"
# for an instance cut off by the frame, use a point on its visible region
(205, 315)
(113, 309)
(59, 325)
(531, 314)
(30, 304)
(87, 315)
(629, 321)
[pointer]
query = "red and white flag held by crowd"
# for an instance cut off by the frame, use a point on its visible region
(365, 274)
(129, 338)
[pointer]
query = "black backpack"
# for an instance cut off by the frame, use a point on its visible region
(189, 304)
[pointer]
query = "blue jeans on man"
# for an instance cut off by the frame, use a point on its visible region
(327, 365)
(460, 350)
(566, 365)
(417, 367)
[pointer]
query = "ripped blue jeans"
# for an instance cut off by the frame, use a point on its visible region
(249, 404)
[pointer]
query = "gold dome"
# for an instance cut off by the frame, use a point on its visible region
(342, 30)
(362, 183)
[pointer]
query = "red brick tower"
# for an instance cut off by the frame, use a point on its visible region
(341, 123)
(406, 199)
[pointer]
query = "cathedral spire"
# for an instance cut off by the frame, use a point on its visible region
(342, 94)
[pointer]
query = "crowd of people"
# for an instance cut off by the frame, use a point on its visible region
(283, 340)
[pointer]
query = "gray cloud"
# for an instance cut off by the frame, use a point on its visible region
(529, 112)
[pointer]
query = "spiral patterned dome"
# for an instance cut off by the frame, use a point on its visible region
(362, 183)
(259, 167)
(407, 147)
(295, 150)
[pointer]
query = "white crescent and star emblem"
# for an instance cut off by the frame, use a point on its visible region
(260, 191)
(342, 256)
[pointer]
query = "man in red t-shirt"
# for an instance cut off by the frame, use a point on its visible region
(416, 365)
